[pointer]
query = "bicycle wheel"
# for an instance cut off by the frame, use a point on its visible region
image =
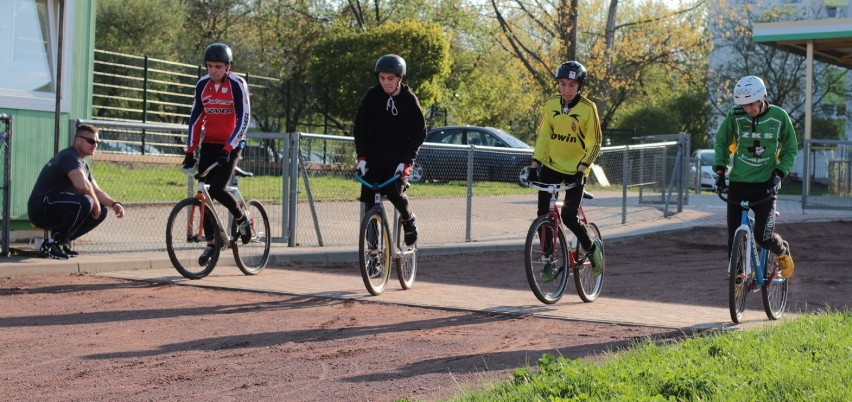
(253, 256)
(774, 290)
(185, 239)
(546, 263)
(374, 252)
(737, 279)
(406, 261)
(588, 285)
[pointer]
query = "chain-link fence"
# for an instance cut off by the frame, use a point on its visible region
(5, 181)
(826, 174)
(311, 199)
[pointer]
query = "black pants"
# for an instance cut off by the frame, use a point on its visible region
(570, 204)
(218, 178)
(764, 215)
(394, 191)
(67, 215)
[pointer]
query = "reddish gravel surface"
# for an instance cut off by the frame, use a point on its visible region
(94, 338)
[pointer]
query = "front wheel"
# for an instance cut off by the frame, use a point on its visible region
(253, 256)
(588, 284)
(546, 260)
(406, 261)
(737, 278)
(774, 290)
(374, 252)
(186, 241)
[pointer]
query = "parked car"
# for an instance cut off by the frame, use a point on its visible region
(703, 159)
(489, 165)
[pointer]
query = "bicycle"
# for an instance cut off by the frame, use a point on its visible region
(185, 234)
(751, 267)
(376, 246)
(546, 250)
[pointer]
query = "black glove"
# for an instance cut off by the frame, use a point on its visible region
(774, 183)
(224, 158)
(721, 185)
(579, 178)
(189, 160)
(533, 175)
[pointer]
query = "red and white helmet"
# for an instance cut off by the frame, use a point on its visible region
(749, 89)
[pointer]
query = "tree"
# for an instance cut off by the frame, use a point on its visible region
(783, 72)
(143, 27)
(616, 52)
(340, 72)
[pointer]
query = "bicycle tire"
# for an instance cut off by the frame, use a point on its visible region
(737, 280)
(774, 290)
(185, 239)
(253, 256)
(406, 261)
(589, 286)
(538, 258)
(374, 252)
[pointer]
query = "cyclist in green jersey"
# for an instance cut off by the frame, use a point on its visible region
(568, 142)
(758, 141)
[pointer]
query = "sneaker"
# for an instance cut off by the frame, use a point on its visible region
(244, 228)
(53, 250)
(410, 229)
(205, 255)
(67, 250)
(785, 262)
(596, 257)
(549, 271)
(374, 267)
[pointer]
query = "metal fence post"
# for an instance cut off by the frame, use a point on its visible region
(294, 187)
(6, 147)
(469, 214)
(625, 174)
(285, 185)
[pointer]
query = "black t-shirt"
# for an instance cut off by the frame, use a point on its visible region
(53, 178)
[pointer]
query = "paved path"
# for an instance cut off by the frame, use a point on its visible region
(704, 210)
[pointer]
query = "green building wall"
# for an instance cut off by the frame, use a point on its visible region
(33, 134)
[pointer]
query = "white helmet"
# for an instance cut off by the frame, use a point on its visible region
(749, 89)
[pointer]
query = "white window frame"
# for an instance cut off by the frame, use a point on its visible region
(46, 101)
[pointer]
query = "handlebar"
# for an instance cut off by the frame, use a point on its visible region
(551, 188)
(374, 186)
(201, 175)
(745, 204)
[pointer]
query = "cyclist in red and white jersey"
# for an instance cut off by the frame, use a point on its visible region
(217, 129)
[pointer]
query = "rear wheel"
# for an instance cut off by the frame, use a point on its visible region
(406, 262)
(737, 279)
(185, 239)
(546, 260)
(774, 290)
(374, 252)
(253, 256)
(588, 284)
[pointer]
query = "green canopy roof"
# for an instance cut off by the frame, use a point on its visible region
(832, 38)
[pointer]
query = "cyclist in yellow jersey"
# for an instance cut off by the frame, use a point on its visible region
(568, 142)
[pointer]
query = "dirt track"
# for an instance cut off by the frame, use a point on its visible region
(94, 338)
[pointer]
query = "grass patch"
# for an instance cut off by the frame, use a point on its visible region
(806, 359)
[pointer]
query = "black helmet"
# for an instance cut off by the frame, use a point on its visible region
(390, 63)
(218, 52)
(573, 70)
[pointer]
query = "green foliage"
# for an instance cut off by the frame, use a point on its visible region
(801, 359)
(139, 27)
(341, 70)
(687, 113)
(826, 129)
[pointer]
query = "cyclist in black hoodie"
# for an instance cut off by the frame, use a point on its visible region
(389, 130)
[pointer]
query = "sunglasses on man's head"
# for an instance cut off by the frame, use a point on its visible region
(91, 141)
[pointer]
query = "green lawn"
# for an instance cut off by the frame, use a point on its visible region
(805, 359)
